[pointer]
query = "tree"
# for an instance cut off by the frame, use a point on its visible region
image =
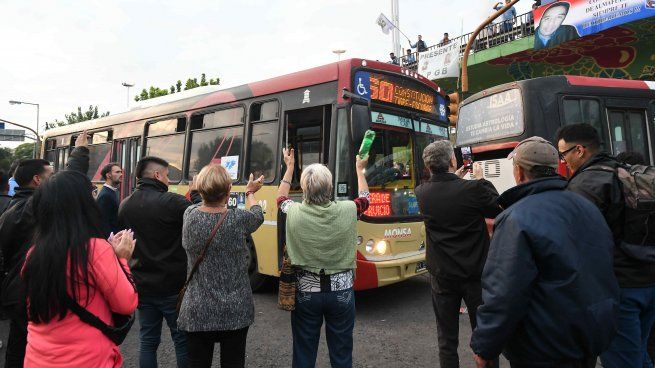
(6, 158)
(24, 150)
(78, 117)
(191, 83)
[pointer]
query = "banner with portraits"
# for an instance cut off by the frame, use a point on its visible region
(562, 21)
(440, 62)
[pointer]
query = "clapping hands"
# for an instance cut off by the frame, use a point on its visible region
(123, 243)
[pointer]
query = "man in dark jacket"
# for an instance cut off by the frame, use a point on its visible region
(159, 261)
(16, 232)
(108, 198)
(454, 212)
(420, 45)
(550, 298)
(579, 146)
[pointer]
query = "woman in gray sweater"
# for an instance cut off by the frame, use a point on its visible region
(218, 305)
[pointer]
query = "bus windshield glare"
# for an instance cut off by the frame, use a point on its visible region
(393, 168)
(492, 117)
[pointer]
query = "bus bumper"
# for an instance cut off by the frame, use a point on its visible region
(373, 274)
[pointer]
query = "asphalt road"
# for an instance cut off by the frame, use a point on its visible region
(395, 327)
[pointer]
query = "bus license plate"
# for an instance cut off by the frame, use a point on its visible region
(420, 266)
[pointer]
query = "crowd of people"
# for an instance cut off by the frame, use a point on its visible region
(559, 283)
(78, 263)
(562, 280)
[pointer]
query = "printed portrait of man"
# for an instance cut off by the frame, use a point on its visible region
(551, 32)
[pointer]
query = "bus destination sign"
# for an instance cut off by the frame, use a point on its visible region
(395, 90)
(492, 117)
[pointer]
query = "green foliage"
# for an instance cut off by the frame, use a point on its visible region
(78, 117)
(191, 83)
(6, 158)
(24, 150)
(157, 92)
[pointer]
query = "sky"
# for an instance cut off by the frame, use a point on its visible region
(65, 54)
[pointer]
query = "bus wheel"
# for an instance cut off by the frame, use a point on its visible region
(257, 280)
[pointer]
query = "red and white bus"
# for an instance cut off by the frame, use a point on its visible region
(323, 113)
(492, 122)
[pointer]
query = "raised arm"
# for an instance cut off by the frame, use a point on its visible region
(360, 164)
(285, 183)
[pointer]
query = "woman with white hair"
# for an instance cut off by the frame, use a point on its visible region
(321, 235)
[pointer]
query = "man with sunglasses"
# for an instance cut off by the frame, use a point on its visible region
(579, 147)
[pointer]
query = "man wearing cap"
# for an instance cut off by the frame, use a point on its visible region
(550, 297)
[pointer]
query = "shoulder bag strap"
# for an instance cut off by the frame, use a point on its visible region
(204, 250)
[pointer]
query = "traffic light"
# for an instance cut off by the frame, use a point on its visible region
(453, 108)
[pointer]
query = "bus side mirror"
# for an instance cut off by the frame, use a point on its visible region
(360, 116)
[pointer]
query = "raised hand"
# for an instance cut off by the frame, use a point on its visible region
(360, 163)
(254, 185)
(82, 140)
(289, 158)
(124, 244)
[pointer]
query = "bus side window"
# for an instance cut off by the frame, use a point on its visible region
(585, 110)
(628, 131)
(263, 147)
(167, 144)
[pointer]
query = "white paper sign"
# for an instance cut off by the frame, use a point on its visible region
(231, 164)
(440, 62)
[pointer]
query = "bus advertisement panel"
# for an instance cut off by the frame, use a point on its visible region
(563, 21)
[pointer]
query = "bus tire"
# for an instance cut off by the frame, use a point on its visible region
(257, 280)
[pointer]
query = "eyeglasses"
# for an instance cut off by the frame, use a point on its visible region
(562, 154)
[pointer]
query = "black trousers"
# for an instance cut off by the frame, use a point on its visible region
(447, 297)
(16, 342)
(233, 348)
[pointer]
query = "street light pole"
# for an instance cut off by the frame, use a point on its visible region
(37, 140)
(128, 85)
(37, 147)
(338, 52)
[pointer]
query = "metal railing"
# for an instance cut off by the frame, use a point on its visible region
(494, 35)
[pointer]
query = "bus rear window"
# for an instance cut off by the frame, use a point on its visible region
(493, 117)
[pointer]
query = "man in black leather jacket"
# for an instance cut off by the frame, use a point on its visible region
(16, 232)
(579, 146)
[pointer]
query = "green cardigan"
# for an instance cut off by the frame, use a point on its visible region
(322, 237)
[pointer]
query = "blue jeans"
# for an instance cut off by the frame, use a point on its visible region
(151, 312)
(338, 309)
(636, 318)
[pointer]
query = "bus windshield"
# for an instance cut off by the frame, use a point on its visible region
(492, 117)
(393, 168)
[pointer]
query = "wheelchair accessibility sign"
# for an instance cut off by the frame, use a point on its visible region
(362, 85)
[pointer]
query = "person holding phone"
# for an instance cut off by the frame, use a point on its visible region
(454, 212)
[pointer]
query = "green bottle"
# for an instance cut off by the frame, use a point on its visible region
(367, 142)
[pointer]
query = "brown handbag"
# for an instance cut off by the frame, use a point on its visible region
(286, 297)
(180, 296)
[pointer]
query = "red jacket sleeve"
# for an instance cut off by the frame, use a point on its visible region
(110, 279)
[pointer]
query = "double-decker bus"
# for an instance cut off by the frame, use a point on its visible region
(492, 122)
(323, 113)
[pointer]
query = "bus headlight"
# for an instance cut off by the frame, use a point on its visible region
(381, 247)
(360, 240)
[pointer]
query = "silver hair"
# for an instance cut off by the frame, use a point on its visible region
(437, 156)
(316, 184)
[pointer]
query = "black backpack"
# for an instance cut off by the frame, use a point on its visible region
(638, 186)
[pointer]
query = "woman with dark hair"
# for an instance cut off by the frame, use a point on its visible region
(71, 260)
